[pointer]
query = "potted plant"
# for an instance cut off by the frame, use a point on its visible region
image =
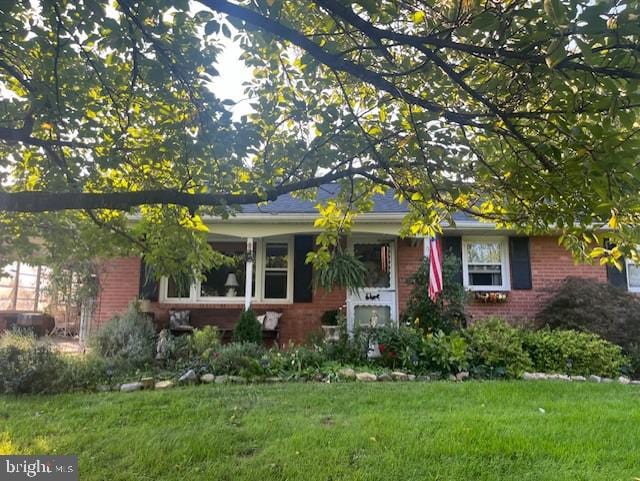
(330, 325)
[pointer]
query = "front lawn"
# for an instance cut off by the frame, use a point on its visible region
(406, 431)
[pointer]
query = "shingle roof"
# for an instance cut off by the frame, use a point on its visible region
(287, 204)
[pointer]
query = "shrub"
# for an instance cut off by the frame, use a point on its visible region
(447, 313)
(588, 305)
(495, 349)
(203, 342)
(573, 352)
(444, 353)
(28, 365)
(248, 329)
(127, 340)
(350, 348)
(240, 358)
(400, 347)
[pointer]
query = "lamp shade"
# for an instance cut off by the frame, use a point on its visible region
(232, 280)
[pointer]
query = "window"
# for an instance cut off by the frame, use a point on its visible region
(633, 276)
(276, 270)
(485, 264)
(176, 290)
(228, 279)
(377, 260)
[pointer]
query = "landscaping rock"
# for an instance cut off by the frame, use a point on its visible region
(347, 373)
(411, 377)
(624, 380)
(273, 379)
(237, 379)
(399, 376)
(635, 382)
(366, 377)
(578, 378)
(606, 380)
(423, 378)
(207, 378)
(221, 379)
(131, 386)
(164, 384)
(594, 378)
(147, 383)
(188, 377)
(103, 388)
(462, 376)
(451, 377)
(385, 377)
(534, 376)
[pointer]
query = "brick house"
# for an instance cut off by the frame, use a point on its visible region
(274, 276)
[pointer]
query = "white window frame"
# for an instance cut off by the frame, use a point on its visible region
(629, 262)
(262, 266)
(259, 270)
(504, 262)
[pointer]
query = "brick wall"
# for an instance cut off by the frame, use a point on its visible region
(409, 253)
(119, 284)
(550, 265)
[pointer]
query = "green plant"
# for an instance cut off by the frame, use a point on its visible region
(588, 305)
(573, 352)
(444, 353)
(343, 270)
(399, 347)
(240, 358)
(448, 312)
(127, 340)
(351, 347)
(495, 349)
(248, 329)
(203, 342)
(28, 365)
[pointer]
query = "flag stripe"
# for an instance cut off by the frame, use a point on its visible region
(435, 269)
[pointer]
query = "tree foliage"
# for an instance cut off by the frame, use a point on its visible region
(522, 113)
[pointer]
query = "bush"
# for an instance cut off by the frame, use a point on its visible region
(588, 305)
(203, 342)
(400, 347)
(573, 352)
(444, 353)
(447, 314)
(28, 366)
(240, 359)
(248, 329)
(495, 349)
(127, 340)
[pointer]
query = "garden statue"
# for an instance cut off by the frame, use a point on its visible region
(162, 347)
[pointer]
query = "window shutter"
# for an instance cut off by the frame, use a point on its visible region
(452, 245)
(614, 276)
(302, 272)
(148, 284)
(520, 263)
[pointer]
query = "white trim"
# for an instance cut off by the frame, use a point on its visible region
(504, 263)
(631, 288)
(263, 269)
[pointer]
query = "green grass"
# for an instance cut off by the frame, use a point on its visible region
(406, 431)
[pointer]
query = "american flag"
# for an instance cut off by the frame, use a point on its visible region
(435, 268)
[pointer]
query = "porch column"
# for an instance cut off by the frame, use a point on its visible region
(248, 274)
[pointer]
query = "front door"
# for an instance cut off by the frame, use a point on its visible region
(375, 305)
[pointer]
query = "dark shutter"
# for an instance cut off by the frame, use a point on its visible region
(616, 277)
(148, 284)
(520, 263)
(302, 272)
(452, 245)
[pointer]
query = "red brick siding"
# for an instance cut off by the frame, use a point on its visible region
(550, 265)
(409, 253)
(119, 285)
